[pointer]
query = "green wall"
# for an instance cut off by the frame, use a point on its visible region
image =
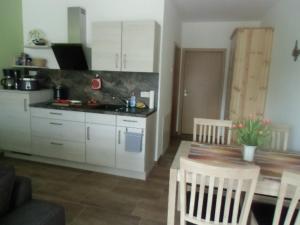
(11, 31)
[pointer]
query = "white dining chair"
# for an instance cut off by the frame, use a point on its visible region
(279, 137)
(219, 194)
(286, 210)
(211, 131)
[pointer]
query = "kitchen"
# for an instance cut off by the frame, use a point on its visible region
(112, 114)
(146, 207)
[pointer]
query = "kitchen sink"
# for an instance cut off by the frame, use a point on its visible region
(110, 107)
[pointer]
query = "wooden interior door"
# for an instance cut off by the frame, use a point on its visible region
(203, 86)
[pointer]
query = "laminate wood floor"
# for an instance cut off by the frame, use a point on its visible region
(92, 198)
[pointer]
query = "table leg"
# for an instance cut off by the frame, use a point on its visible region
(172, 196)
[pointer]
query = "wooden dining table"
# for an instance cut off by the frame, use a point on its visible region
(271, 165)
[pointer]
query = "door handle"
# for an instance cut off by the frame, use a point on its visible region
(56, 143)
(130, 121)
(88, 133)
(119, 137)
(57, 124)
(54, 113)
(185, 92)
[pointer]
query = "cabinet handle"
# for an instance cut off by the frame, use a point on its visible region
(119, 137)
(124, 60)
(117, 60)
(57, 124)
(130, 121)
(54, 113)
(58, 144)
(25, 105)
(88, 133)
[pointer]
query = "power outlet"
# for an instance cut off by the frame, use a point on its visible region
(145, 94)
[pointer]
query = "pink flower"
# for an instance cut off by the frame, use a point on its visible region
(234, 126)
(266, 122)
(240, 125)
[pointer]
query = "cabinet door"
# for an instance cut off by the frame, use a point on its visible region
(133, 161)
(139, 46)
(15, 122)
(101, 144)
(106, 46)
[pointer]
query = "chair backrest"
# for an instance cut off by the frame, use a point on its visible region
(279, 137)
(290, 182)
(229, 196)
(212, 131)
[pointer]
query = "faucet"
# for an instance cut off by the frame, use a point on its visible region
(123, 100)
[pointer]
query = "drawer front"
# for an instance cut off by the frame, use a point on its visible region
(58, 114)
(67, 150)
(100, 118)
(131, 121)
(58, 129)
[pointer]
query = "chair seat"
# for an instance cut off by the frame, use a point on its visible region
(264, 213)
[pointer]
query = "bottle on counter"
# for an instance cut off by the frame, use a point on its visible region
(132, 100)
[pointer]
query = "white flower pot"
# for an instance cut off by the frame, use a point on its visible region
(248, 153)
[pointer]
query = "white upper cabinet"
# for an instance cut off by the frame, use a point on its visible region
(106, 46)
(126, 46)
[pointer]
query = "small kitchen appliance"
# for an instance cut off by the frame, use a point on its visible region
(28, 84)
(60, 92)
(11, 78)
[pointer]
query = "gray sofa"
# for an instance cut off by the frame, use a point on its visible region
(17, 206)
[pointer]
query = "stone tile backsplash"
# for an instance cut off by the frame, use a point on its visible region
(120, 84)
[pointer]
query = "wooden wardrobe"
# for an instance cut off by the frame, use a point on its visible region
(248, 73)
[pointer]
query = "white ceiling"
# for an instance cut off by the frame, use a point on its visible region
(223, 10)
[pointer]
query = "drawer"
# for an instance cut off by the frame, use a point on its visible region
(58, 114)
(131, 121)
(100, 118)
(58, 129)
(67, 150)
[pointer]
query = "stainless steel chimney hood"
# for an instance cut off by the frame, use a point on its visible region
(74, 55)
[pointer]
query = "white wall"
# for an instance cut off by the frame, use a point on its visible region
(212, 35)
(171, 35)
(51, 17)
(283, 104)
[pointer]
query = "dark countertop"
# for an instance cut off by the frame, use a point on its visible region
(84, 108)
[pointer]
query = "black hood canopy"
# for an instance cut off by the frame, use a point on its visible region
(70, 56)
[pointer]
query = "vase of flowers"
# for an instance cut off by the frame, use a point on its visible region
(252, 133)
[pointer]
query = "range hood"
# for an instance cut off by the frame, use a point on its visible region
(74, 55)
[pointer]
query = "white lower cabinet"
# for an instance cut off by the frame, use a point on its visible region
(120, 145)
(15, 132)
(100, 139)
(125, 158)
(58, 134)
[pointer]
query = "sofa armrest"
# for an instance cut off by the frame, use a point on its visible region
(22, 192)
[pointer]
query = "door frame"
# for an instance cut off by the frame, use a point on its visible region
(176, 93)
(182, 76)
